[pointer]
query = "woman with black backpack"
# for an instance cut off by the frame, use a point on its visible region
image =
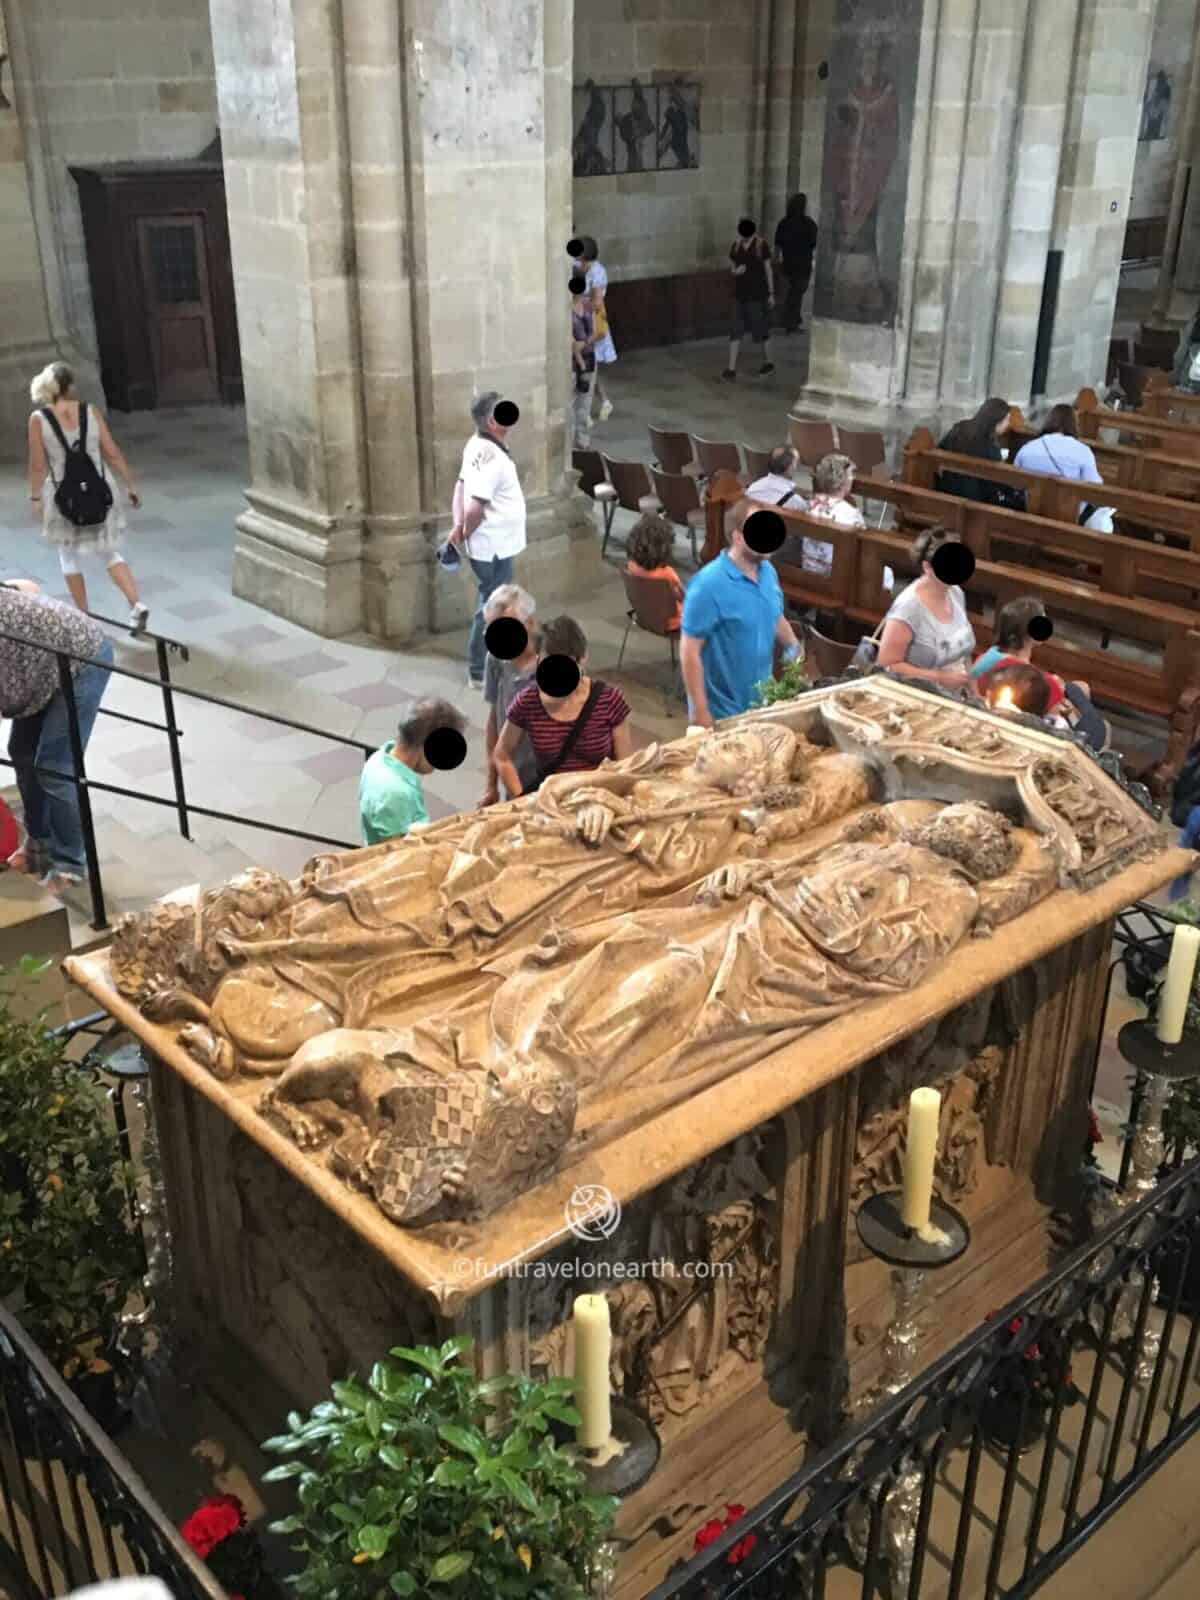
(69, 448)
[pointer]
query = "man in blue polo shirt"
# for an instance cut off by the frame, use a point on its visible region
(732, 617)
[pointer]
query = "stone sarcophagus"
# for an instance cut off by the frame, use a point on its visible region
(698, 985)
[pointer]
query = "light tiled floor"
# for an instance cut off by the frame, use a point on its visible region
(193, 468)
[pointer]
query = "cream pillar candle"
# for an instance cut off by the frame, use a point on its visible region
(920, 1149)
(1176, 991)
(593, 1347)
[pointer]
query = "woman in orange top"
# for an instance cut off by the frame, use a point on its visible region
(648, 550)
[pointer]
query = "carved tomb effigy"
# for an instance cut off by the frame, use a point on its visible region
(703, 982)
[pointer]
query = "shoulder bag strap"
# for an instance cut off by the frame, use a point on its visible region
(56, 429)
(790, 495)
(574, 731)
(1058, 470)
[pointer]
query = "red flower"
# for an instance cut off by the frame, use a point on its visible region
(1032, 1353)
(1016, 1325)
(710, 1531)
(213, 1520)
(1094, 1134)
(732, 1513)
(742, 1549)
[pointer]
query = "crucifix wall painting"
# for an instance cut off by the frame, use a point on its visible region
(868, 129)
(636, 127)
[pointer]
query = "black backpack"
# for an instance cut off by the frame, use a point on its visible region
(84, 495)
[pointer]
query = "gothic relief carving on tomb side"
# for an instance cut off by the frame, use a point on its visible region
(963, 1056)
(444, 1020)
(683, 1333)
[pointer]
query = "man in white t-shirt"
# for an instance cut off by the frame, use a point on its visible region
(489, 513)
(777, 489)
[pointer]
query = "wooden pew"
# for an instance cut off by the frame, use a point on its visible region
(1168, 688)
(1133, 568)
(1145, 432)
(1163, 401)
(1130, 466)
(1056, 498)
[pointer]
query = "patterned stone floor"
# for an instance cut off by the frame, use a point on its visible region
(192, 467)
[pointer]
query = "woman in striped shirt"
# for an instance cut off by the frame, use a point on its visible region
(568, 732)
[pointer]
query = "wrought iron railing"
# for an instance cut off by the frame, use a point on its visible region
(964, 1480)
(72, 1509)
(178, 801)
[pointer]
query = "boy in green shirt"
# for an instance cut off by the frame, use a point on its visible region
(391, 798)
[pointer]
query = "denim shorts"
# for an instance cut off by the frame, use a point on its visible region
(750, 317)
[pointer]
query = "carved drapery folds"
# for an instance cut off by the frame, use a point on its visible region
(447, 1020)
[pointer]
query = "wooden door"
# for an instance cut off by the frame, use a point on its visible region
(178, 307)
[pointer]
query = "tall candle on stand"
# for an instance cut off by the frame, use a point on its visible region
(1177, 990)
(593, 1347)
(920, 1150)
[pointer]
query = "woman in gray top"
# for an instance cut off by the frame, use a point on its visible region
(504, 680)
(927, 633)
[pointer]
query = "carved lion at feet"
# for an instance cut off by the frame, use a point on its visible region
(426, 1146)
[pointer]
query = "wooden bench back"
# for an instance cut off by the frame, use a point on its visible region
(1161, 400)
(1055, 498)
(1144, 432)
(854, 587)
(1130, 466)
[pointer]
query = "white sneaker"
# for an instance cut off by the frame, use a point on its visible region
(138, 617)
(606, 411)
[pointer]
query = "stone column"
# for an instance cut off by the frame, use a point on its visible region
(33, 323)
(399, 191)
(1050, 44)
(1022, 137)
(1095, 182)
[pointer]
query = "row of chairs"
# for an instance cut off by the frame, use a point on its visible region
(683, 462)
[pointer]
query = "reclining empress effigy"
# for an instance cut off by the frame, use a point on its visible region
(703, 982)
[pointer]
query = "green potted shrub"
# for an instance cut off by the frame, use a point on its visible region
(790, 683)
(425, 1481)
(69, 1256)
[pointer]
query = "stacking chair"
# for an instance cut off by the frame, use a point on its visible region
(631, 481)
(592, 481)
(866, 450)
(1157, 347)
(830, 657)
(1120, 351)
(652, 608)
(757, 462)
(715, 456)
(812, 439)
(672, 451)
(1133, 379)
(680, 496)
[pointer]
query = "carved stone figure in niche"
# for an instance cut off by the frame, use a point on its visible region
(682, 1335)
(439, 1013)
(961, 1055)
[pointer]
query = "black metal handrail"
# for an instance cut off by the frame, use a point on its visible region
(72, 1509)
(184, 808)
(1127, 1304)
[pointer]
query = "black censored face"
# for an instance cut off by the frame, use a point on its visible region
(953, 564)
(1040, 628)
(445, 749)
(506, 413)
(764, 532)
(575, 248)
(558, 676)
(506, 638)
(577, 284)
